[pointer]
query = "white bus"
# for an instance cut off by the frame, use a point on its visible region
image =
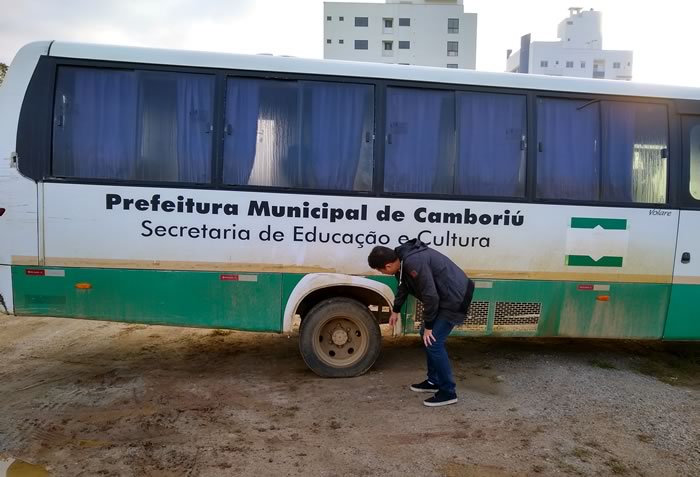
(228, 191)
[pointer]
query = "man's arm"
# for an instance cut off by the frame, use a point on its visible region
(425, 285)
(400, 299)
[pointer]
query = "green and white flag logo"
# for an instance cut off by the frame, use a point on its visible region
(596, 242)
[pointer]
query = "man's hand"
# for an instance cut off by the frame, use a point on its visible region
(428, 337)
(394, 318)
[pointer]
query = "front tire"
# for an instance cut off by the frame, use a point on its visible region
(339, 338)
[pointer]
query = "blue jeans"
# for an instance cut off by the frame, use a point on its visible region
(439, 370)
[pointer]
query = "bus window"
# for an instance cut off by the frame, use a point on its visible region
(299, 134)
(602, 150)
(568, 138)
(490, 145)
(338, 132)
(695, 162)
(420, 127)
(635, 145)
(133, 125)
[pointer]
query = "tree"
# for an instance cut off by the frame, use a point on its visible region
(3, 70)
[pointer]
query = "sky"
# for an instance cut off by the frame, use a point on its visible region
(662, 37)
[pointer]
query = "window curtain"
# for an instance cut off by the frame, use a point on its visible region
(278, 152)
(491, 130)
(195, 120)
(651, 147)
(336, 129)
(568, 161)
(242, 110)
(420, 141)
(618, 150)
(95, 124)
(262, 143)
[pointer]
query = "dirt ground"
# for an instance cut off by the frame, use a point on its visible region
(87, 398)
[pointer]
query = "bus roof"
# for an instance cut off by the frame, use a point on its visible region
(366, 70)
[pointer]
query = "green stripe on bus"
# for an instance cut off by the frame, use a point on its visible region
(586, 261)
(592, 222)
(633, 310)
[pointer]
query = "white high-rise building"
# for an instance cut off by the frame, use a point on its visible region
(415, 32)
(579, 51)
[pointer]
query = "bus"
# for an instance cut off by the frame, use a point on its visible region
(246, 191)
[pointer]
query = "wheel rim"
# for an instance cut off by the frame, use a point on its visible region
(341, 341)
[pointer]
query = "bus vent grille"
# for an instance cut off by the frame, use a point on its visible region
(516, 316)
(477, 316)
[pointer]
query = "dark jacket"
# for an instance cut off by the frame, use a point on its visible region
(433, 279)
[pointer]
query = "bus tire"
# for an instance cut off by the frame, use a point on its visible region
(339, 338)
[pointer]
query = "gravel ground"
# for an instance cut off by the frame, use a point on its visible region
(87, 398)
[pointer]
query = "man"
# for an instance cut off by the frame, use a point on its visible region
(446, 293)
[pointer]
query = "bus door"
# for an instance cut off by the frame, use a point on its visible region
(683, 320)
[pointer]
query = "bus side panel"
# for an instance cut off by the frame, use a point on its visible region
(614, 310)
(18, 194)
(554, 308)
(683, 321)
(684, 313)
(6, 290)
(250, 302)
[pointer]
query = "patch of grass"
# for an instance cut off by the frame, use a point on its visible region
(616, 467)
(597, 363)
(568, 469)
(646, 438)
(593, 444)
(335, 425)
(220, 332)
(678, 367)
(581, 453)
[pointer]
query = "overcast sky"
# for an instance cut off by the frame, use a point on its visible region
(662, 38)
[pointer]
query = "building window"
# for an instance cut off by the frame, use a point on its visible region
(569, 22)
(404, 45)
(342, 19)
(388, 22)
(629, 63)
(452, 65)
(387, 48)
(329, 18)
(616, 65)
(544, 63)
(610, 151)
(329, 41)
(452, 48)
(583, 64)
(569, 64)
(453, 25)
(556, 62)
(341, 41)
(405, 22)
(361, 21)
(361, 44)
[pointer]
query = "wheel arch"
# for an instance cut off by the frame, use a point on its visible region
(316, 287)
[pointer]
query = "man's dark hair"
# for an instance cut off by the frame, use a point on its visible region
(380, 256)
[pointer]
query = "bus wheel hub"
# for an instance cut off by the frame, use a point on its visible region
(339, 337)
